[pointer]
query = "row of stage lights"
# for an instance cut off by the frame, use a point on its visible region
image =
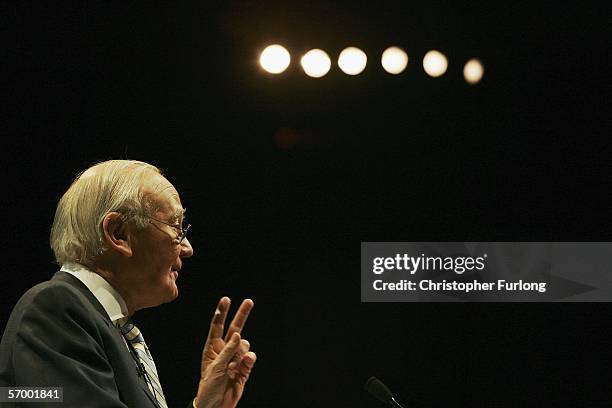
(352, 61)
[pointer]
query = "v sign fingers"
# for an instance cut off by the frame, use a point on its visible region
(240, 318)
(226, 360)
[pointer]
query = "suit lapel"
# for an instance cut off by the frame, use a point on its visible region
(72, 280)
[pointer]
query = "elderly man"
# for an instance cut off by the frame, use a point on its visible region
(120, 238)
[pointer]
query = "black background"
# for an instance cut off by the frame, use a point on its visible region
(522, 156)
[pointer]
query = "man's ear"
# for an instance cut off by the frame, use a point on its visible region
(117, 234)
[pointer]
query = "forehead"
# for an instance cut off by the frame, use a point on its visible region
(163, 196)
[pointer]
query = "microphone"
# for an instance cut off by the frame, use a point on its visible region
(380, 391)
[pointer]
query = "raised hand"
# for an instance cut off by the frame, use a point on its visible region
(226, 360)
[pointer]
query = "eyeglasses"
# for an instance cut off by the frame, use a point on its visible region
(182, 230)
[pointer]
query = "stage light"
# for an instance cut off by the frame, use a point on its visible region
(394, 60)
(352, 60)
(435, 63)
(275, 59)
(473, 71)
(316, 63)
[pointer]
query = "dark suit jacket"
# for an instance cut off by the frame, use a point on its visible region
(60, 335)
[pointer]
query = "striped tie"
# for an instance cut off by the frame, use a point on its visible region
(133, 335)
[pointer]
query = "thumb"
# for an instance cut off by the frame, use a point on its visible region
(229, 350)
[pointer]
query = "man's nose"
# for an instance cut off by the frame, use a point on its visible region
(186, 249)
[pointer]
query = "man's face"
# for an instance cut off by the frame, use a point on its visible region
(157, 255)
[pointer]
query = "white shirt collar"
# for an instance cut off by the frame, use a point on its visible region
(108, 297)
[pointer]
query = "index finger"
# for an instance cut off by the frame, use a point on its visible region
(240, 318)
(218, 319)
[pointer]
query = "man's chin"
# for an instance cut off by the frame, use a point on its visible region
(173, 293)
(169, 293)
(172, 287)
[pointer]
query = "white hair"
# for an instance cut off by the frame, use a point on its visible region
(77, 234)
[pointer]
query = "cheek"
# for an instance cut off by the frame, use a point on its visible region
(167, 258)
